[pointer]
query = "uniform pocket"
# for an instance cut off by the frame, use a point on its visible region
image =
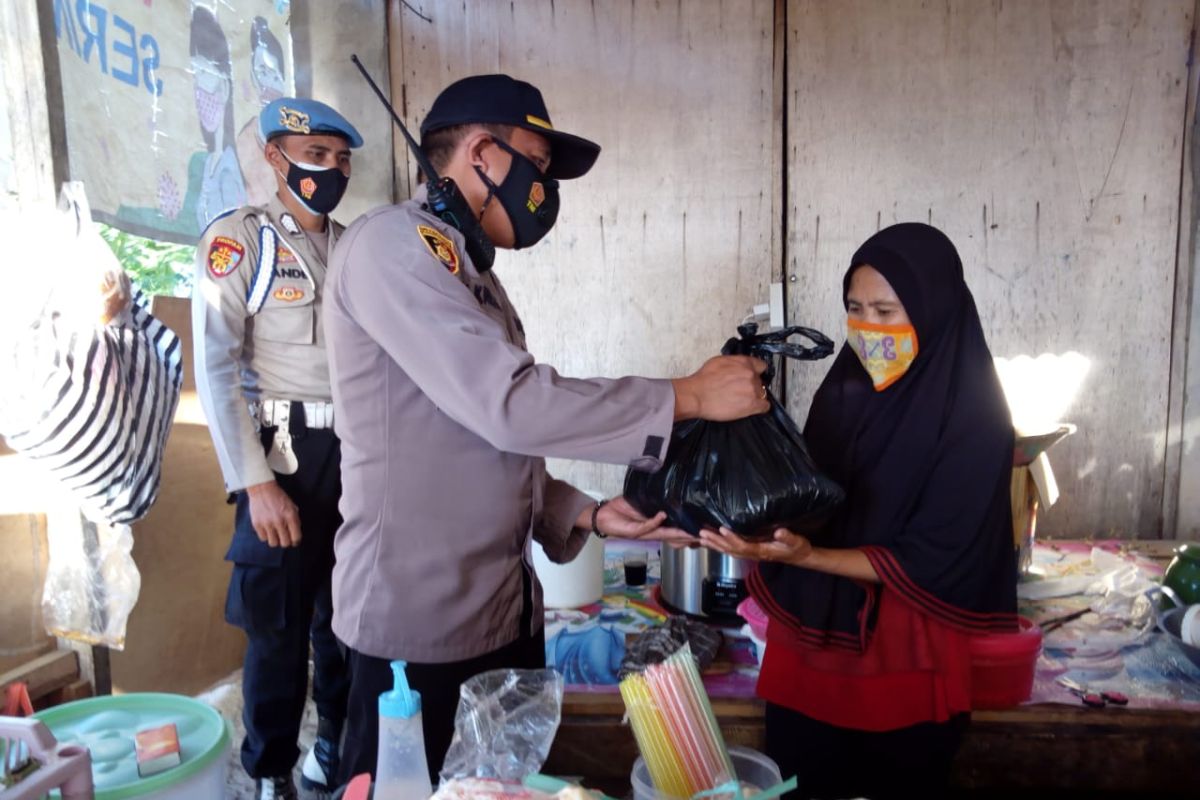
(257, 598)
(246, 548)
(288, 316)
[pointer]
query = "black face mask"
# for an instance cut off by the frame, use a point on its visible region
(528, 198)
(318, 189)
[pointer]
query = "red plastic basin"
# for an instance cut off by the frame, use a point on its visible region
(1002, 666)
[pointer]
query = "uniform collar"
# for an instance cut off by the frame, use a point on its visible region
(286, 221)
(286, 224)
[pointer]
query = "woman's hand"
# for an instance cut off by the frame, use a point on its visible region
(785, 547)
(792, 548)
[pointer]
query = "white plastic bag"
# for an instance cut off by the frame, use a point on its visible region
(92, 582)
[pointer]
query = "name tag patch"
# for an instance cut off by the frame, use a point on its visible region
(440, 245)
(224, 255)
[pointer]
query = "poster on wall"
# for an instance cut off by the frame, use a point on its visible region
(161, 102)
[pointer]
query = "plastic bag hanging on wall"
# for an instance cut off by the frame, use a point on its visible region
(92, 582)
(752, 475)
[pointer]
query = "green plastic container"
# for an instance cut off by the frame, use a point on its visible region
(1183, 574)
(107, 725)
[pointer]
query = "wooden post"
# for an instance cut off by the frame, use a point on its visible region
(32, 96)
(1181, 505)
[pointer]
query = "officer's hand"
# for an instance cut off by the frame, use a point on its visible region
(273, 515)
(620, 520)
(725, 388)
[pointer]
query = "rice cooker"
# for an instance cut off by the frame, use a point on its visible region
(703, 582)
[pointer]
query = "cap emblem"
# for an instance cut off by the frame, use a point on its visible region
(295, 121)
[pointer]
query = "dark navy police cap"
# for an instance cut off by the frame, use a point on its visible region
(503, 100)
(300, 115)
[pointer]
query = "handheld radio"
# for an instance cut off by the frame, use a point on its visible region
(445, 199)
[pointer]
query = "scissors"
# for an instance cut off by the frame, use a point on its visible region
(1093, 699)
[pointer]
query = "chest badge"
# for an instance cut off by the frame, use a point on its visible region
(283, 255)
(440, 245)
(288, 294)
(224, 255)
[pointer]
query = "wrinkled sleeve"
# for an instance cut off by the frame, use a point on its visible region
(434, 329)
(556, 532)
(218, 330)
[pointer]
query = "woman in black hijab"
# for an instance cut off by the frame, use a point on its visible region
(867, 669)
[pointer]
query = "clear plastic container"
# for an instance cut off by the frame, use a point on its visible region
(401, 772)
(753, 769)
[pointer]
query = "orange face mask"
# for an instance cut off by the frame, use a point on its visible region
(886, 351)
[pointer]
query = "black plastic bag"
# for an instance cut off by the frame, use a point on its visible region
(752, 475)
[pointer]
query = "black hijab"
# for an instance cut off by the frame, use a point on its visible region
(926, 464)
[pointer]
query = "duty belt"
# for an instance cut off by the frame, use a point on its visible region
(278, 414)
(270, 413)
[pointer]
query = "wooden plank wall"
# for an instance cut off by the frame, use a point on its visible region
(331, 32)
(1045, 139)
(22, 573)
(665, 246)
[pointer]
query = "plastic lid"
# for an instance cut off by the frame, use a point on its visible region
(107, 726)
(401, 701)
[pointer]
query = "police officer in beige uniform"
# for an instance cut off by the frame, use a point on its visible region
(263, 379)
(445, 420)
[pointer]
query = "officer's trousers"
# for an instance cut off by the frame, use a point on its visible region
(439, 687)
(281, 598)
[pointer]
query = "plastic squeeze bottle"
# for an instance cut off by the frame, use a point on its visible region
(401, 772)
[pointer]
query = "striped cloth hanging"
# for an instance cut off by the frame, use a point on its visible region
(94, 407)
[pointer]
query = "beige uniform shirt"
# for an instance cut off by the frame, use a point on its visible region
(257, 328)
(444, 420)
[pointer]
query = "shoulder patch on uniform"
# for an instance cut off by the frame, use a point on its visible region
(288, 294)
(441, 246)
(224, 255)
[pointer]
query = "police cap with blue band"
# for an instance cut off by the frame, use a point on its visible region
(502, 100)
(304, 117)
